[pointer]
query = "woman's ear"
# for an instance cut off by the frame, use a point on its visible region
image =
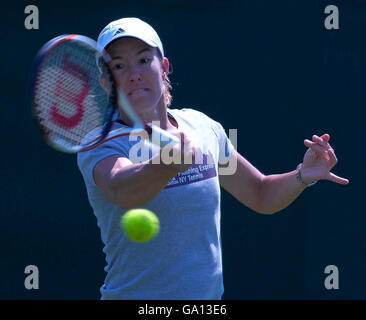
(104, 83)
(165, 66)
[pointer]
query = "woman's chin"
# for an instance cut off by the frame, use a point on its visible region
(143, 108)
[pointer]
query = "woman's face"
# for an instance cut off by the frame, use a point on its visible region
(140, 71)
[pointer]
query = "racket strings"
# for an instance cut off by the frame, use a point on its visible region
(71, 106)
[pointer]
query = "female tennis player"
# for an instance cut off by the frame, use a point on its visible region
(184, 261)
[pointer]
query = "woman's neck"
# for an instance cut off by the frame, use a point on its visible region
(159, 115)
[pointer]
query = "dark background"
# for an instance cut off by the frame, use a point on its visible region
(269, 69)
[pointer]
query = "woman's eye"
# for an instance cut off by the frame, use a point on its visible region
(118, 66)
(145, 60)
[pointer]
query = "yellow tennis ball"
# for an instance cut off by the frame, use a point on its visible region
(140, 225)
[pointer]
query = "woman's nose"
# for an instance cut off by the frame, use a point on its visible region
(135, 74)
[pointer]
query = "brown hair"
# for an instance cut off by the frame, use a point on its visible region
(167, 84)
(167, 87)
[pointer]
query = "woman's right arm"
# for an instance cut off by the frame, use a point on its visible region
(130, 185)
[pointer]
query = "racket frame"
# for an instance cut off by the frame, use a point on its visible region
(122, 104)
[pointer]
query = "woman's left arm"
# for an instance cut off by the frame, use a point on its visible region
(272, 193)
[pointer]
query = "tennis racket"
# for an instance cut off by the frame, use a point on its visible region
(73, 111)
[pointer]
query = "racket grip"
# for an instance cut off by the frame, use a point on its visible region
(161, 137)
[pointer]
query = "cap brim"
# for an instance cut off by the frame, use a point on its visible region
(124, 35)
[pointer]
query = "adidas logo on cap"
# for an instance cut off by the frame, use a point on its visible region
(120, 30)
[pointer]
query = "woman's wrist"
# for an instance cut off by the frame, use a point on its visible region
(300, 178)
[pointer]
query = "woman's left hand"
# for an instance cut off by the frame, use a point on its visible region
(318, 160)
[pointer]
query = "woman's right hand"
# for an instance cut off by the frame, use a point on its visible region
(179, 157)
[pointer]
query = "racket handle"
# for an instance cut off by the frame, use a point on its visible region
(161, 137)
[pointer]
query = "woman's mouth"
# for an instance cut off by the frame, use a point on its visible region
(137, 91)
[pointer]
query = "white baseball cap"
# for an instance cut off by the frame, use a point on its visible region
(129, 27)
